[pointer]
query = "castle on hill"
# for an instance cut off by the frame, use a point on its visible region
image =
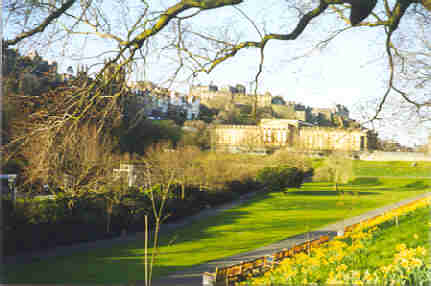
(214, 96)
(295, 126)
(234, 94)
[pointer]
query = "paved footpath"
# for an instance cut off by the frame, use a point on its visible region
(193, 275)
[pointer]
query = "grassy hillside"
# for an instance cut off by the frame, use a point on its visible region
(389, 254)
(413, 231)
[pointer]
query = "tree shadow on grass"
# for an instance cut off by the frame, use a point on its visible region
(365, 182)
(418, 185)
(329, 193)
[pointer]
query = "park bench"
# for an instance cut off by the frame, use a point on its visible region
(227, 276)
(217, 278)
(247, 268)
(234, 274)
(279, 256)
(284, 253)
(324, 239)
(259, 265)
(315, 243)
(224, 276)
(300, 248)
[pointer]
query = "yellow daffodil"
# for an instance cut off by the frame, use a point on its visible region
(421, 251)
(341, 268)
(356, 274)
(404, 263)
(400, 247)
(415, 262)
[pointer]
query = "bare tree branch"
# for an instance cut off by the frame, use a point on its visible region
(39, 29)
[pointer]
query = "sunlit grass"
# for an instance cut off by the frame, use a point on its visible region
(265, 219)
(382, 254)
(392, 169)
(412, 230)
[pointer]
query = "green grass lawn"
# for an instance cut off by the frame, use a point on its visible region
(265, 219)
(392, 169)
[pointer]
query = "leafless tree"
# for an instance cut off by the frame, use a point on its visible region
(86, 158)
(173, 31)
(297, 158)
(336, 168)
(187, 165)
(410, 111)
(160, 173)
(76, 165)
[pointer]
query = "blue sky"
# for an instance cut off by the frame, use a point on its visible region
(350, 70)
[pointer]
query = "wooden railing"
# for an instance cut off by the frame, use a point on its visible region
(229, 275)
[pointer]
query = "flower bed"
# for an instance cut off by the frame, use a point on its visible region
(344, 260)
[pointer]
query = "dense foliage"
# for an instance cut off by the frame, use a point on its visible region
(281, 177)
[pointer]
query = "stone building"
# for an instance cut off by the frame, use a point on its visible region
(296, 134)
(329, 138)
(229, 94)
(157, 102)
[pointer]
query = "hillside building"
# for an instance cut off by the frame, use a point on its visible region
(229, 94)
(160, 102)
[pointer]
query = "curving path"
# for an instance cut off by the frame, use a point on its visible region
(193, 276)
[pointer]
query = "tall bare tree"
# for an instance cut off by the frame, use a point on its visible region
(336, 168)
(172, 29)
(160, 173)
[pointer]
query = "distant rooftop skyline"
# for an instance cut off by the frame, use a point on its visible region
(351, 69)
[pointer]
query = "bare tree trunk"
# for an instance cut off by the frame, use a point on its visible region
(146, 251)
(182, 191)
(153, 254)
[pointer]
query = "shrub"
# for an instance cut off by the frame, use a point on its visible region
(243, 186)
(278, 178)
